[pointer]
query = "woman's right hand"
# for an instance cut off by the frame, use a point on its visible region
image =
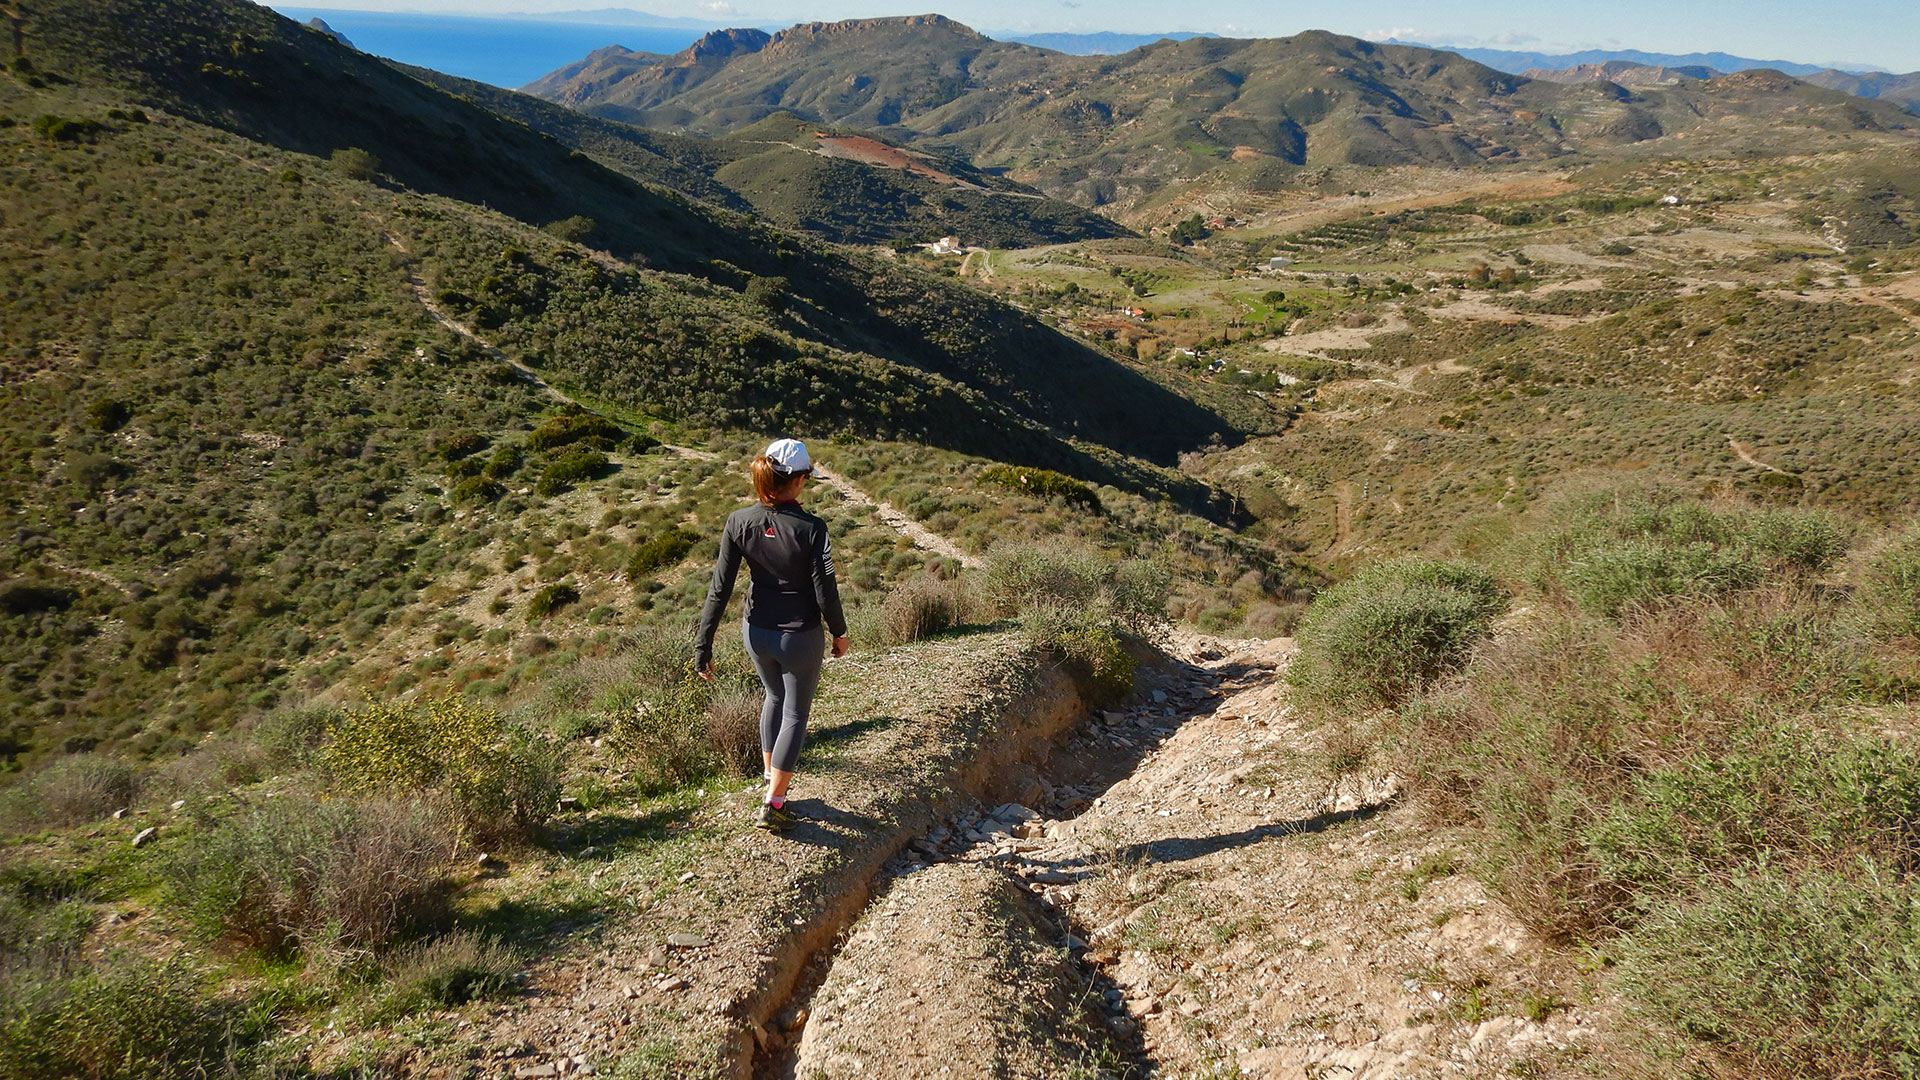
(840, 646)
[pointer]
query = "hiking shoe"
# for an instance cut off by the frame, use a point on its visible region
(773, 818)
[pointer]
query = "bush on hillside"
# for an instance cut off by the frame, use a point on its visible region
(297, 872)
(1043, 484)
(1632, 575)
(125, 1017)
(478, 489)
(662, 549)
(578, 229)
(1019, 576)
(919, 607)
(551, 599)
(1391, 629)
(462, 444)
(447, 972)
(733, 727)
(570, 469)
(1787, 971)
(355, 163)
(501, 779)
(1609, 764)
(1890, 586)
(1079, 606)
(1628, 553)
(71, 790)
(1088, 641)
(576, 428)
(665, 735)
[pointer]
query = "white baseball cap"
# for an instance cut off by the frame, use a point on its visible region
(789, 456)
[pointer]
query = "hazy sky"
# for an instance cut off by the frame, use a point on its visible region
(1883, 33)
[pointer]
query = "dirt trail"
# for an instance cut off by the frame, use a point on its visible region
(1234, 911)
(922, 537)
(1745, 453)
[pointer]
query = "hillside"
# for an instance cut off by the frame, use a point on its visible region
(1903, 90)
(1114, 130)
(266, 405)
(841, 185)
(1622, 73)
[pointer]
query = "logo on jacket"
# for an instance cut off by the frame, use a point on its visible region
(770, 533)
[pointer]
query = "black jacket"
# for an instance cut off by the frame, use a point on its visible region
(791, 563)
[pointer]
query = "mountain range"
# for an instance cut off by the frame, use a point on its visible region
(1516, 61)
(1100, 130)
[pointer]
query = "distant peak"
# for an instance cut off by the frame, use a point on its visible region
(320, 24)
(722, 44)
(816, 30)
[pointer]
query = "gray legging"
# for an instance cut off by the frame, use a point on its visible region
(789, 666)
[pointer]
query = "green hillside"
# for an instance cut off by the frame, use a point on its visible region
(248, 459)
(1100, 130)
(779, 170)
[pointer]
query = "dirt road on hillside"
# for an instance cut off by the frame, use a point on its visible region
(1235, 912)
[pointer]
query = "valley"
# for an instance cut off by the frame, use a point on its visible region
(1358, 563)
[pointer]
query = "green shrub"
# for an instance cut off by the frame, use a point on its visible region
(127, 1017)
(1890, 586)
(1807, 541)
(662, 549)
(1606, 765)
(355, 163)
(463, 468)
(1089, 643)
(32, 596)
(1627, 553)
(294, 737)
(1021, 576)
(462, 444)
(1789, 972)
(109, 414)
(501, 779)
(919, 607)
(1783, 791)
(1391, 629)
(449, 971)
(71, 791)
(577, 229)
(733, 726)
(570, 428)
(296, 872)
(478, 489)
(1043, 484)
(664, 735)
(551, 599)
(771, 293)
(1613, 579)
(1139, 592)
(570, 469)
(503, 462)
(62, 129)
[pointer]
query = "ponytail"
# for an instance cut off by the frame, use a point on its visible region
(771, 485)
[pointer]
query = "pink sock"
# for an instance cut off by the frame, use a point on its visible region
(776, 801)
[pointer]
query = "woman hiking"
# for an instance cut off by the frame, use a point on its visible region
(791, 595)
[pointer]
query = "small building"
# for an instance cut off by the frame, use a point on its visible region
(1279, 262)
(946, 245)
(1671, 200)
(1136, 313)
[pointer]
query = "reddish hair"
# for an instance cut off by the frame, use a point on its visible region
(770, 484)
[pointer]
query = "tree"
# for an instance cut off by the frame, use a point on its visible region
(577, 229)
(1186, 232)
(355, 163)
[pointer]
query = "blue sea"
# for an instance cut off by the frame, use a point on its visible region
(504, 52)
